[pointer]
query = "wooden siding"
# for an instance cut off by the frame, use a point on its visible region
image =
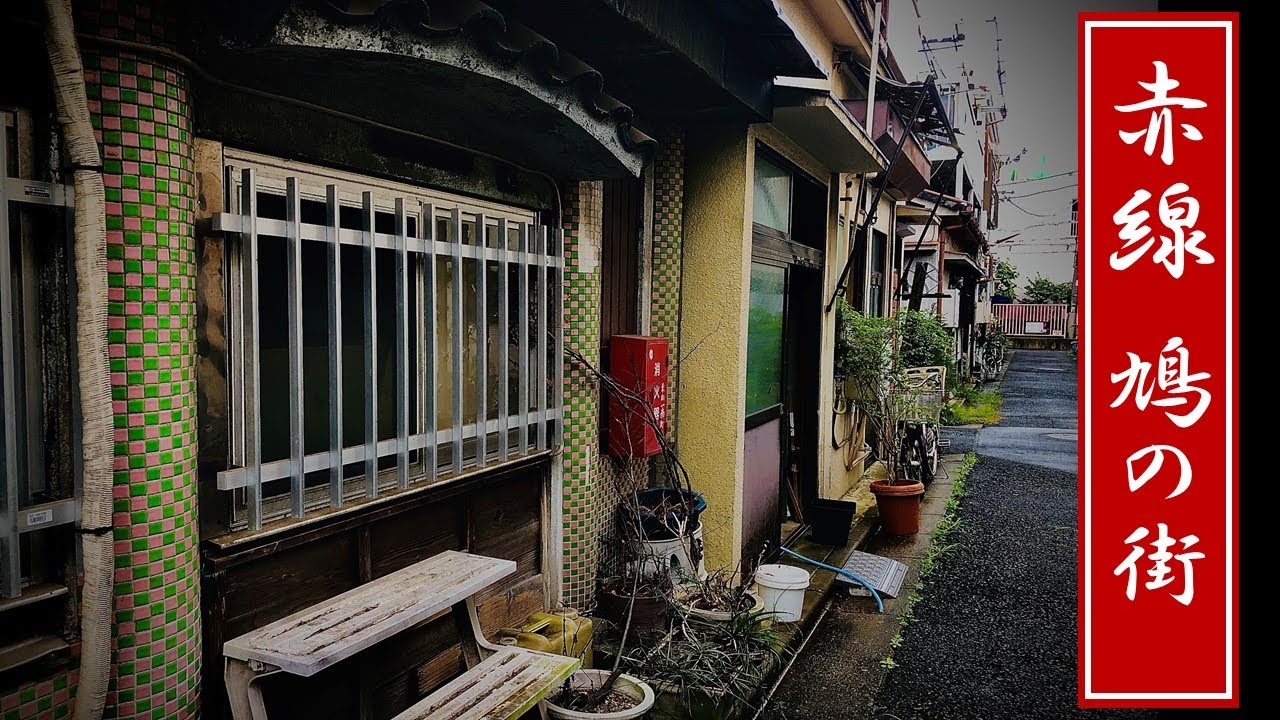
(621, 228)
(254, 582)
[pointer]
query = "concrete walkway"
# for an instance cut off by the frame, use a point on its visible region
(994, 633)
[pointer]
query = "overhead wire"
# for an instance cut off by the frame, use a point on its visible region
(1040, 192)
(1038, 179)
(1045, 224)
(1033, 214)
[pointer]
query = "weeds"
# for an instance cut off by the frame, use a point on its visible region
(939, 548)
(972, 407)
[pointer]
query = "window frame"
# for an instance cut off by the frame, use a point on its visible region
(417, 263)
(22, 366)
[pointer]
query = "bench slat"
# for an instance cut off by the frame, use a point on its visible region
(506, 685)
(308, 641)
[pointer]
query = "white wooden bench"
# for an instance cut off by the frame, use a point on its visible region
(500, 682)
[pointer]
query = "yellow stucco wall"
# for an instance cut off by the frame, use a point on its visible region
(717, 265)
(823, 26)
(713, 329)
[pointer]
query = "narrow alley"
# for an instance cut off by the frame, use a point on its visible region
(992, 634)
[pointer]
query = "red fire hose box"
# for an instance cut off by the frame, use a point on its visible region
(637, 413)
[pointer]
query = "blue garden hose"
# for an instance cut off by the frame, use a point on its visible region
(842, 571)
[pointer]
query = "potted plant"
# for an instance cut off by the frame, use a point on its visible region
(863, 353)
(708, 669)
(667, 530)
(877, 353)
(898, 496)
(581, 697)
(637, 600)
(664, 513)
(717, 597)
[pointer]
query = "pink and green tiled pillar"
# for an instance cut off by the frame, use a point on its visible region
(581, 461)
(590, 477)
(140, 108)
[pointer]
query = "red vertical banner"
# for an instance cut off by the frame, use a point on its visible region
(1158, 509)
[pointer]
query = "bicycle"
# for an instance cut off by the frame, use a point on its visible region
(918, 451)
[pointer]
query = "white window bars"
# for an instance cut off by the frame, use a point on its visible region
(28, 501)
(437, 367)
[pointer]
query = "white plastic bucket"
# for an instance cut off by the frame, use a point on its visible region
(782, 589)
(673, 556)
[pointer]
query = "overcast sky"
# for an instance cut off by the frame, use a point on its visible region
(1038, 50)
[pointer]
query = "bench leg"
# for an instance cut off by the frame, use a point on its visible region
(474, 647)
(243, 691)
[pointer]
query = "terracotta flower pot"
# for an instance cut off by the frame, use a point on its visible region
(899, 505)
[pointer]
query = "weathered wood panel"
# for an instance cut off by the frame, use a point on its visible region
(500, 606)
(394, 675)
(286, 582)
(401, 540)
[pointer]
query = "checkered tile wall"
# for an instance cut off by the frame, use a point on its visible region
(668, 242)
(143, 119)
(591, 478)
(40, 699)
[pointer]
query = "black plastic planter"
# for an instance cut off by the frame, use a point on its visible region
(656, 524)
(832, 520)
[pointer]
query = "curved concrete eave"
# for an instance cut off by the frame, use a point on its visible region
(444, 87)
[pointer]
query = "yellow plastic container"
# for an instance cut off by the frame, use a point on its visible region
(563, 632)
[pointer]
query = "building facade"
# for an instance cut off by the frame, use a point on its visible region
(363, 264)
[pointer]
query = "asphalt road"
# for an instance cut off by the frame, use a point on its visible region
(994, 635)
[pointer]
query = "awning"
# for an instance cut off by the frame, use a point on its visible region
(767, 21)
(820, 124)
(469, 79)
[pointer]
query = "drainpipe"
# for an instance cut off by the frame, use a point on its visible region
(97, 450)
(875, 64)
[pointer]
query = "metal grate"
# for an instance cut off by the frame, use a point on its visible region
(884, 574)
(429, 244)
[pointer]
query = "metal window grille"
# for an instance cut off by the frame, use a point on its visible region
(464, 295)
(29, 502)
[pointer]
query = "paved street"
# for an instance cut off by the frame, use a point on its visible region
(994, 635)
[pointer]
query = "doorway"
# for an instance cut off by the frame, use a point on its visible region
(783, 346)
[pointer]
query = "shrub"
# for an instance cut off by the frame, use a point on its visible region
(1044, 290)
(925, 342)
(864, 347)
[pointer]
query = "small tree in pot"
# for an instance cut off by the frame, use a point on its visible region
(873, 356)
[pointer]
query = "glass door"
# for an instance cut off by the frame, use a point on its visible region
(765, 449)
